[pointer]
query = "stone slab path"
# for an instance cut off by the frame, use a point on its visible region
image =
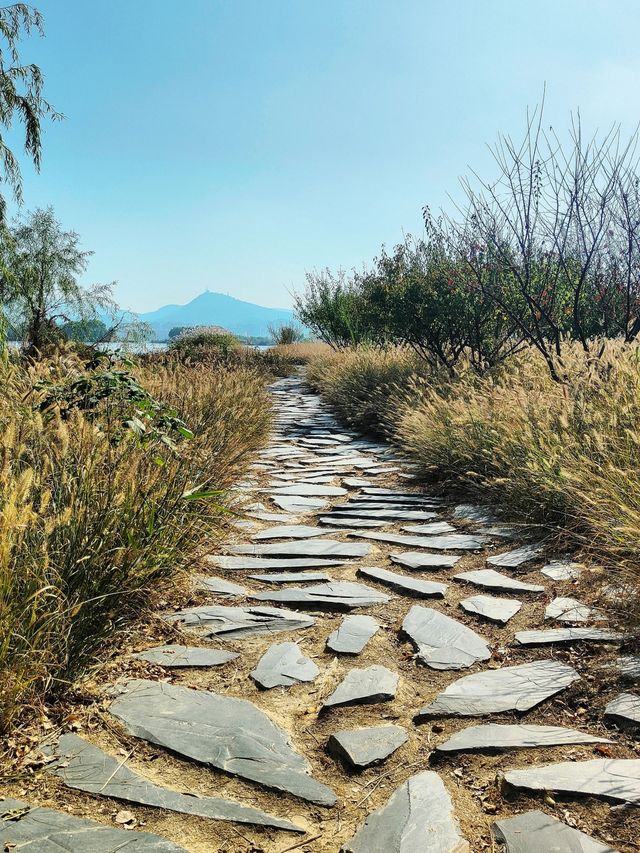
(261, 716)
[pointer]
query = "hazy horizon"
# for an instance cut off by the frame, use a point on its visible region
(232, 146)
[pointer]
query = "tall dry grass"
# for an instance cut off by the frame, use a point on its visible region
(565, 455)
(92, 517)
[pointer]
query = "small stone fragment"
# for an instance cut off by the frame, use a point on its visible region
(443, 643)
(364, 687)
(219, 586)
(566, 635)
(353, 635)
(517, 557)
(283, 665)
(434, 528)
(568, 610)
(561, 570)
(361, 748)
(418, 818)
(474, 512)
(494, 609)
(537, 832)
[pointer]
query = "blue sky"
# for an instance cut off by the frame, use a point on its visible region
(234, 144)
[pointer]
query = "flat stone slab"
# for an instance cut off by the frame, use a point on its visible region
(361, 748)
(517, 557)
(561, 570)
(177, 656)
(537, 832)
(496, 736)
(474, 512)
(388, 514)
(220, 731)
(309, 490)
(418, 818)
(494, 609)
(235, 623)
(305, 548)
(298, 505)
(510, 688)
(219, 586)
(454, 542)
(411, 586)
(292, 577)
(39, 830)
(441, 642)
(346, 522)
(364, 687)
(612, 778)
(419, 560)
(629, 666)
(434, 528)
(353, 635)
(85, 767)
(568, 610)
(291, 531)
(356, 482)
(337, 595)
(566, 635)
(283, 665)
(624, 710)
(490, 579)
(242, 564)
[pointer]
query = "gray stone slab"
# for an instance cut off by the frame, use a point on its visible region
(629, 667)
(454, 542)
(342, 511)
(85, 767)
(501, 531)
(344, 521)
(566, 635)
(376, 493)
(292, 577)
(517, 557)
(331, 548)
(364, 687)
(174, 655)
(612, 778)
(494, 609)
(220, 731)
(537, 832)
(356, 482)
(278, 517)
(474, 512)
(441, 642)
(494, 691)
(359, 504)
(493, 736)
(291, 531)
(241, 564)
(353, 635)
(219, 586)
(568, 610)
(419, 560)
(435, 528)
(299, 505)
(624, 710)
(335, 595)
(561, 570)
(235, 623)
(490, 579)
(408, 585)
(284, 665)
(418, 818)
(40, 830)
(361, 748)
(308, 490)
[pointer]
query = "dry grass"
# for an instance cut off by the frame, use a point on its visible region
(301, 353)
(565, 455)
(91, 518)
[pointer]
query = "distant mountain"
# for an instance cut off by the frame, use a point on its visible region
(217, 309)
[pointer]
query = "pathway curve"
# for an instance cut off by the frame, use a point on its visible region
(365, 668)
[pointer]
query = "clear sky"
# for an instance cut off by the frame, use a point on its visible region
(234, 144)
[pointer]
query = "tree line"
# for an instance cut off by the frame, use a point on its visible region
(548, 252)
